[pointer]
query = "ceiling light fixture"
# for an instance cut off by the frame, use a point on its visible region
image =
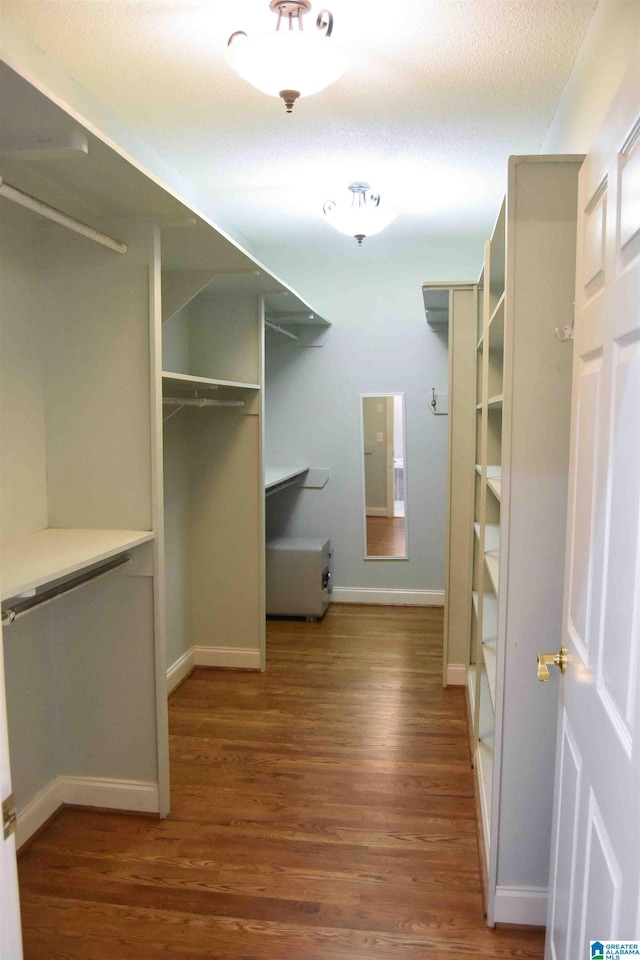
(289, 63)
(358, 215)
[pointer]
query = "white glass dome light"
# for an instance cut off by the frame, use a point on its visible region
(289, 63)
(358, 214)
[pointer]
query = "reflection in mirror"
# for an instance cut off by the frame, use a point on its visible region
(384, 463)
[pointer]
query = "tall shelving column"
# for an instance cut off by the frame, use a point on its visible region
(487, 522)
(522, 463)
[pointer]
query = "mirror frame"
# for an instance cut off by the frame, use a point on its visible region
(361, 398)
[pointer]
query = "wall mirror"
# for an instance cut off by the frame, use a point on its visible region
(384, 471)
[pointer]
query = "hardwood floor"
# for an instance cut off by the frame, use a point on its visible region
(320, 811)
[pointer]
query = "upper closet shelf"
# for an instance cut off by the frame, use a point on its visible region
(186, 382)
(436, 305)
(287, 308)
(291, 319)
(36, 559)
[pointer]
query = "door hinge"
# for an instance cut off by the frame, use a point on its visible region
(9, 816)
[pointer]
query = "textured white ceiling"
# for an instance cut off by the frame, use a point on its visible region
(436, 97)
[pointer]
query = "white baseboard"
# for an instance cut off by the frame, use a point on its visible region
(179, 670)
(238, 658)
(131, 795)
(241, 658)
(526, 905)
(456, 674)
(44, 805)
(412, 598)
(377, 512)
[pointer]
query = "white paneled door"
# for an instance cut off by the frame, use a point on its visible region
(594, 890)
(10, 936)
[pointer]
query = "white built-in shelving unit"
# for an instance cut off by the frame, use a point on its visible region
(521, 460)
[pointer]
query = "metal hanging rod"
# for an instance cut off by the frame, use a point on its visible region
(26, 605)
(200, 402)
(52, 213)
(180, 402)
(277, 487)
(278, 329)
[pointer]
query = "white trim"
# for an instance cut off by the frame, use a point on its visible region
(457, 674)
(412, 598)
(179, 670)
(137, 795)
(240, 658)
(523, 905)
(44, 805)
(377, 512)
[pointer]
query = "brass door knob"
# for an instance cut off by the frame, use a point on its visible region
(546, 659)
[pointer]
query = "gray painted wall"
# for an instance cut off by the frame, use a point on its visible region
(379, 343)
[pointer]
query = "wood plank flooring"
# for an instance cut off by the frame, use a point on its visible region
(320, 811)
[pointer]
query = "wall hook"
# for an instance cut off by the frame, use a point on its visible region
(565, 334)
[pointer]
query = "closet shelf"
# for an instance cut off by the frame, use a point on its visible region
(495, 403)
(31, 561)
(278, 477)
(495, 485)
(490, 665)
(489, 618)
(492, 563)
(491, 536)
(499, 308)
(484, 748)
(493, 470)
(188, 382)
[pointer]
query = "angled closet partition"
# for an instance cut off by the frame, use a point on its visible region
(100, 345)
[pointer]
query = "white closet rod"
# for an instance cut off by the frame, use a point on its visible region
(20, 607)
(45, 210)
(200, 402)
(285, 333)
(277, 487)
